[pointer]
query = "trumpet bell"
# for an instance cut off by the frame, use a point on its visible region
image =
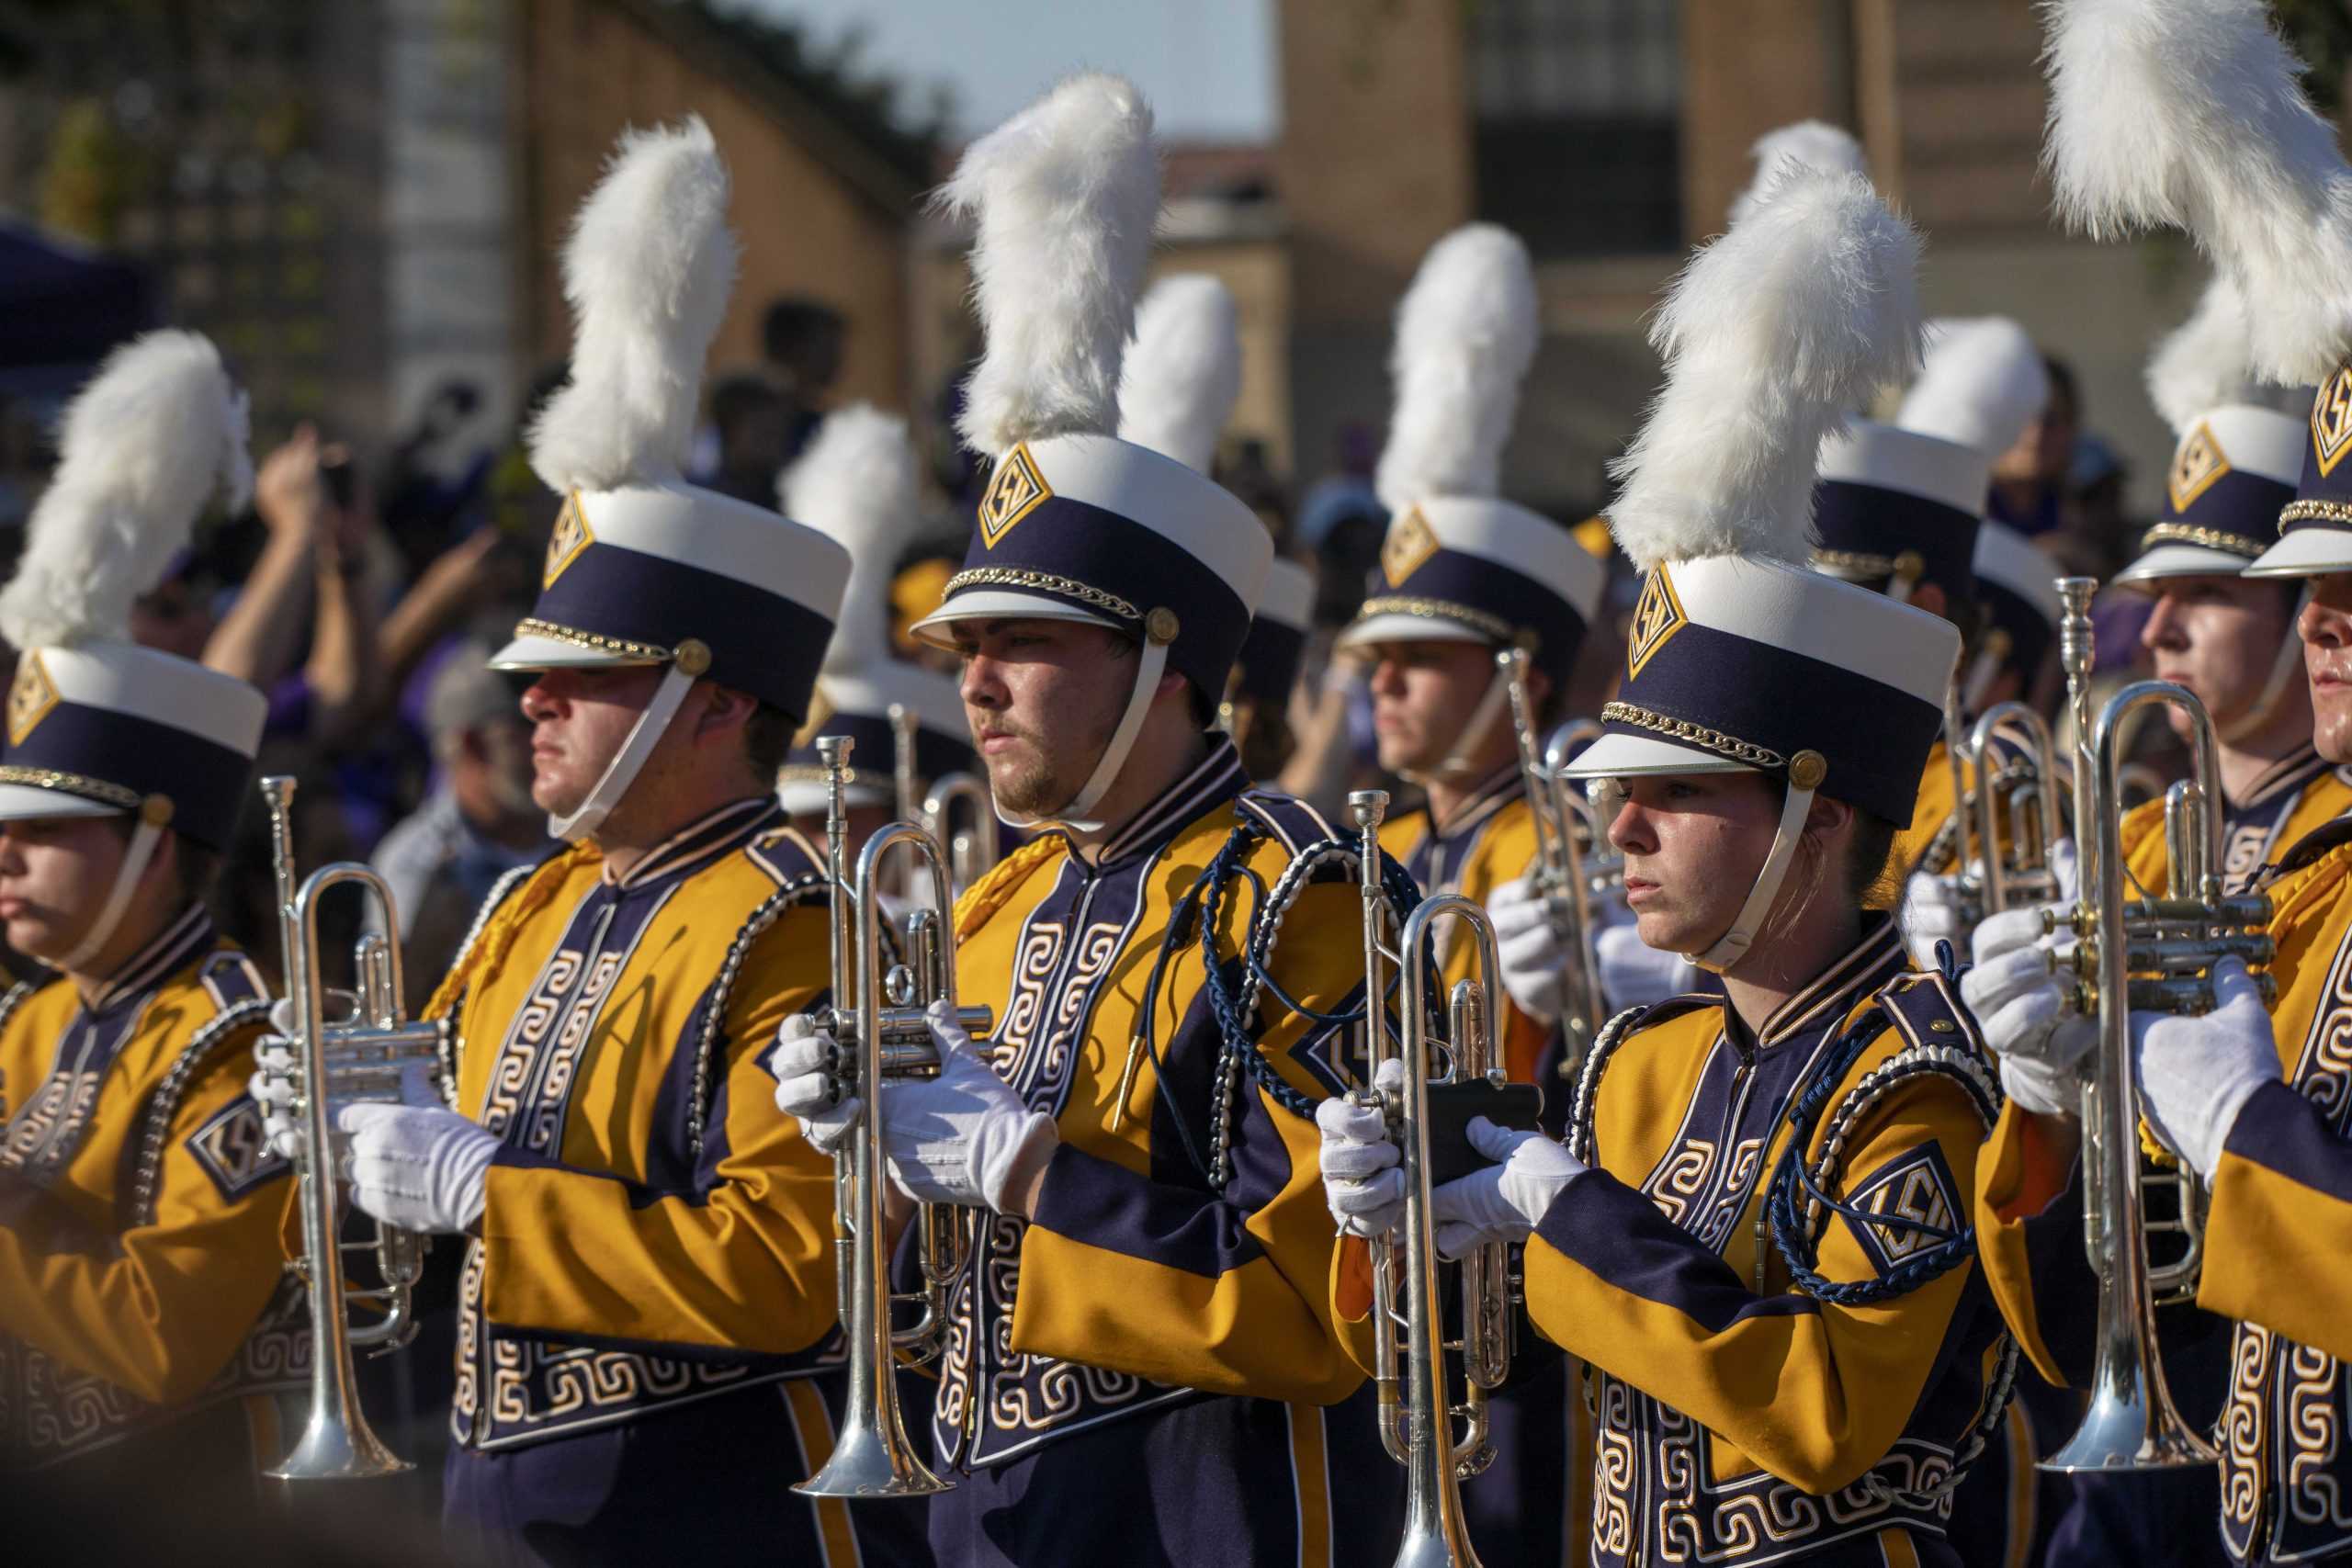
(870, 1462)
(2126, 1428)
(337, 1445)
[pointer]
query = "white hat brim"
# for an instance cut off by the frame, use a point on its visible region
(527, 653)
(1398, 626)
(1000, 605)
(30, 803)
(2306, 552)
(1617, 756)
(2182, 560)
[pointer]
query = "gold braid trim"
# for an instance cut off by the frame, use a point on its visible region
(531, 625)
(1860, 564)
(2317, 511)
(1698, 734)
(1045, 582)
(498, 937)
(73, 784)
(2210, 539)
(1000, 882)
(1484, 623)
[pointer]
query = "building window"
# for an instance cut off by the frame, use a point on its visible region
(1579, 136)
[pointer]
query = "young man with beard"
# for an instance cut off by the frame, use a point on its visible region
(648, 1290)
(1141, 1352)
(141, 1324)
(1780, 1372)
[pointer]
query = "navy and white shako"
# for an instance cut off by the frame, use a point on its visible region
(1276, 645)
(2016, 595)
(644, 569)
(96, 724)
(2315, 526)
(1741, 658)
(1076, 524)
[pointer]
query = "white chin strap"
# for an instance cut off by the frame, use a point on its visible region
(621, 772)
(1733, 944)
(1458, 763)
(1078, 813)
(135, 856)
(2285, 670)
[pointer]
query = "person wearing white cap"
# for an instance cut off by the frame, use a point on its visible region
(1754, 1235)
(647, 1299)
(142, 1327)
(2190, 113)
(1141, 1351)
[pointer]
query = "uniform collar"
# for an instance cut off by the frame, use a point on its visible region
(701, 841)
(1215, 778)
(2286, 776)
(1492, 793)
(1829, 996)
(176, 944)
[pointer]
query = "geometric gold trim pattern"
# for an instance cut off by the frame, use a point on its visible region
(531, 625)
(71, 784)
(1730, 746)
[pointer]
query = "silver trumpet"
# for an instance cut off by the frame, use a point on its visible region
(882, 1032)
(1417, 1412)
(2152, 952)
(360, 1055)
(2014, 799)
(1558, 870)
(976, 846)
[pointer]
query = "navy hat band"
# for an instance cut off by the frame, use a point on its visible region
(1269, 660)
(122, 759)
(1092, 558)
(760, 643)
(1866, 530)
(1761, 704)
(2238, 511)
(1506, 606)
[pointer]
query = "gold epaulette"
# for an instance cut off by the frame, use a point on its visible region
(1000, 882)
(497, 934)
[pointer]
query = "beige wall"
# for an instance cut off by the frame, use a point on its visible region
(592, 71)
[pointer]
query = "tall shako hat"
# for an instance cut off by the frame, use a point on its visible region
(857, 485)
(1900, 504)
(1076, 524)
(1741, 658)
(97, 725)
(2017, 591)
(644, 569)
(1277, 641)
(1459, 563)
(2191, 114)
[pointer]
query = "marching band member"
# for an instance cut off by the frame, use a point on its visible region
(1141, 1349)
(649, 1286)
(141, 1324)
(1464, 574)
(1753, 1237)
(2192, 114)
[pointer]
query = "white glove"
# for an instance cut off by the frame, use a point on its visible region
(962, 1136)
(1536, 966)
(1931, 912)
(1362, 1182)
(2198, 1072)
(1505, 1201)
(2014, 993)
(420, 1167)
(1633, 974)
(803, 1065)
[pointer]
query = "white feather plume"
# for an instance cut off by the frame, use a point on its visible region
(2201, 364)
(1467, 332)
(1065, 195)
(1981, 383)
(1771, 335)
(2191, 113)
(648, 271)
(142, 448)
(1183, 375)
(856, 484)
(1809, 142)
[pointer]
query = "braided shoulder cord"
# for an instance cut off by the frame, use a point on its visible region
(1794, 1182)
(1613, 1033)
(771, 909)
(493, 933)
(452, 1000)
(164, 1105)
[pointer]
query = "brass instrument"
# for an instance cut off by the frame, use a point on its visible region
(1558, 870)
(2154, 953)
(359, 1057)
(1416, 1413)
(2018, 820)
(974, 847)
(881, 1032)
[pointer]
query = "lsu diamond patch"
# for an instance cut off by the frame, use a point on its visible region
(1917, 1200)
(234, 1150)
(30, 696)
(1410, 543)
(2196, 466)
(1658, 615)
(2331, 420)
(571, 536)
(1015, 490)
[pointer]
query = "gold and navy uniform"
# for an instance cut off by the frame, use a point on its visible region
(1746, 1413)
(653, 1288)
(143, 1307)
(1144, 1371)
(2275, 1239)
(2296, 796)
